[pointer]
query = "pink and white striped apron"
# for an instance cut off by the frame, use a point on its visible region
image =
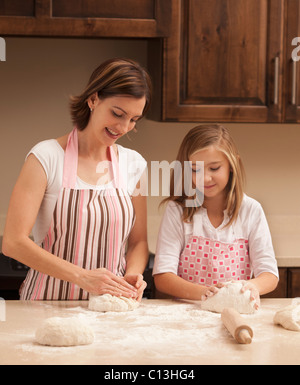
(206, 261)
(89, 228)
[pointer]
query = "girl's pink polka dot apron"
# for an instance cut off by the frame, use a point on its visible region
(206, 261)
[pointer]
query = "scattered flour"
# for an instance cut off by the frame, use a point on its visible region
(150, 331)
(150, 327)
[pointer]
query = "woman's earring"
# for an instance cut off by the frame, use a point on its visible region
(91, 109)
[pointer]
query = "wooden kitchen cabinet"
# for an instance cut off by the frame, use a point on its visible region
(85, 18)
(292, 69)
(294, 282)
(230, 61)
(281, 290)
(289, 284)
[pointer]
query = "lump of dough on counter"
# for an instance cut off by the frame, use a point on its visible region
(58, 331)
(230, 296)
(288, 317)
(107, 302)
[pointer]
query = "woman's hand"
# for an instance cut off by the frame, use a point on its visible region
(138, 282)
(102, 281)
(212, 290)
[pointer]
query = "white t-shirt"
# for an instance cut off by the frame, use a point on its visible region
(51, 156)
(251, 225)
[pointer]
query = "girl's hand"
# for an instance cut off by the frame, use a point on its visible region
(248, 285)
(102, 281)
(138, 282)
(212, 290)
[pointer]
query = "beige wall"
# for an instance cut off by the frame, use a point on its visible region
(40, 74)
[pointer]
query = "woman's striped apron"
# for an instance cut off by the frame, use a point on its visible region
(89, 228)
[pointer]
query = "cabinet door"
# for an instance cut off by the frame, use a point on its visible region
(223, 61)
(292, 75)
(294, 282)
(88, 18)
(281, 290)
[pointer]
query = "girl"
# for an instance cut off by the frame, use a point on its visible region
(82, 223)
(226, 238)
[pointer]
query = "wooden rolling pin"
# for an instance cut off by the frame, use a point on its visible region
(236, 326)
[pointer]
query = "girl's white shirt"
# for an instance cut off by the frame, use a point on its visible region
(51, 156)
(251, 224)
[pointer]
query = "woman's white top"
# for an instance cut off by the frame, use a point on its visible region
(51, 156)
(251, 225)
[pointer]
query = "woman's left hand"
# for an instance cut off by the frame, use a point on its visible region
(136, 280)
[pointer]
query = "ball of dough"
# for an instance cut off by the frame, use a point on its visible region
(288, 317)
(58, 331)
(230, 296)
(107, 302)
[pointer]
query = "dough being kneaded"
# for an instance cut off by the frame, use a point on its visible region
(107, 302)
(230, 296)
(288, 317)
(58, 331)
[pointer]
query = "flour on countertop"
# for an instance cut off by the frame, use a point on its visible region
(147, 330)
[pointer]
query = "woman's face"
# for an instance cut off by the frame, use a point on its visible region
(114, 116)
(216, 170)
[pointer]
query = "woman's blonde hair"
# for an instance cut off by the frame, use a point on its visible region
(114, 77)
(197, 139)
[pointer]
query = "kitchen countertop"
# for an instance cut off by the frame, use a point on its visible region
(159, 332)
(288, 261)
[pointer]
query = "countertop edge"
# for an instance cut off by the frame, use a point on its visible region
(288, 261)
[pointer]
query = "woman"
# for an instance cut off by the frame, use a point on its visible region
(78, 198)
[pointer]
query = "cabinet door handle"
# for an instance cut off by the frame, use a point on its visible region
(276, 79)
(294, 82)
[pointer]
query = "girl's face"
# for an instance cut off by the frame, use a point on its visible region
(115, 116)
(216, 171)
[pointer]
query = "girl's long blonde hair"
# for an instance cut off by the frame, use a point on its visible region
(197, 139)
